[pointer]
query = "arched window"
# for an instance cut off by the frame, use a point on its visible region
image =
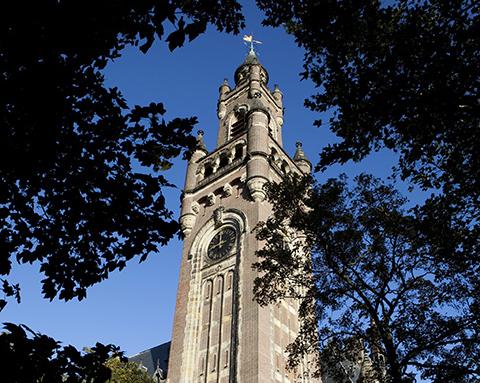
(230, 280)
(208, 287)
(214, 362)
(225, 365)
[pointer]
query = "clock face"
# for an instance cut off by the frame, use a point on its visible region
(221, 245)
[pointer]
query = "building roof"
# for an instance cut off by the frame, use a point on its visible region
(153, 357)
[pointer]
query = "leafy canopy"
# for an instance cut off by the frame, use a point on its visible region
(32, 357)
(80, 182)
(402, 75)
(373, 274)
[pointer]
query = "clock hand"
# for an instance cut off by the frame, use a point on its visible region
(214, 246)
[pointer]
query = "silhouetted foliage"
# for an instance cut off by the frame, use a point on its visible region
(31, 357)
(80, 188)
(80, 182)
(366, 269)
(402, 74)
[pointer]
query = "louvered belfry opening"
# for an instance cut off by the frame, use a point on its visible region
(238, 127)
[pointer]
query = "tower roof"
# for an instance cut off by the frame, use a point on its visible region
(300, 154)
(251, 57)
(242, 72)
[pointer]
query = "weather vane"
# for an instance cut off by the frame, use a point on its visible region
(249, 40)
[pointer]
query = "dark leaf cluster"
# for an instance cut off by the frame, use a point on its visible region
(80, 182)
(32, 357)
(80, 188)
(402, 75)
(377, 286)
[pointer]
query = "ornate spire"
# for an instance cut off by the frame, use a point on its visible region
(301, 159)
(300, 154)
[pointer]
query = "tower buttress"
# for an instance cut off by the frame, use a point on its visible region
(189, 211)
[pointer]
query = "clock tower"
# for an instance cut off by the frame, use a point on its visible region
(220, 333)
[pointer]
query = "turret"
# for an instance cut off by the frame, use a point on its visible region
(301, 160)
(278, 95)
(252, 113)
(224, 88)
(221, 108)
(188, 213)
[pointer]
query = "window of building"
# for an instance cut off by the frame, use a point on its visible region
(214, 362)
(202, 365)
(226, 359)
(230, 281)
(237, 127)
(207, 291)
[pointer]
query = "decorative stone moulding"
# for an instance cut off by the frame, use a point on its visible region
(195, 207)
(255, 187)
(241, 110)
(200, 173)
(215, 163)
(279, 120)
(231, 155)
(218, 216)
(211, 199)
(221, 110)
(187, 221)
(227, 190)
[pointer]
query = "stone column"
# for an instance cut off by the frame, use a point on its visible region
(257, 149)
(254, 76)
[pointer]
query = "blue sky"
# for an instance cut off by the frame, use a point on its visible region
(134, 308)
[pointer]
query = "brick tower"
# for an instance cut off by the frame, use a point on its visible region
(220, 334)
